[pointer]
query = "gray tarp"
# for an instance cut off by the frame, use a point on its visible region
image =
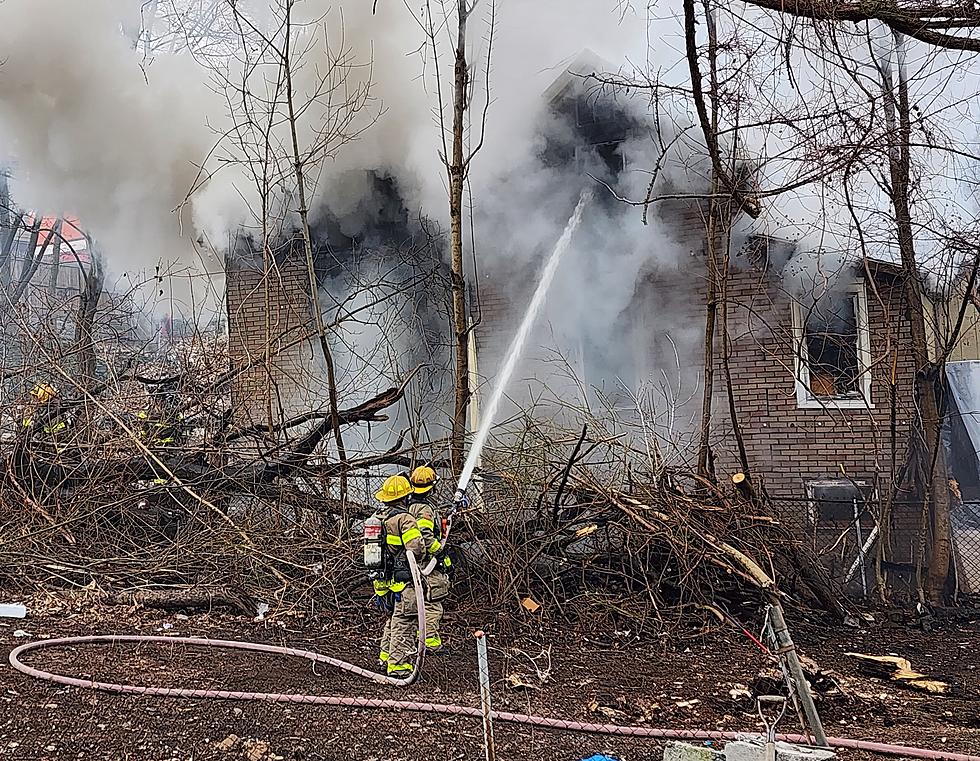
(964, 388)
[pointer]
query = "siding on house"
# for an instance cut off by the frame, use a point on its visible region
(967, 346)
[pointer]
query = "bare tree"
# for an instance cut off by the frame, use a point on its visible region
(457, 154)
(93, 279)
(923, 21)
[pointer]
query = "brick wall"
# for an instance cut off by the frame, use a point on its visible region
(267, 309)
(790, 444)
(786, 445)
(497, 306)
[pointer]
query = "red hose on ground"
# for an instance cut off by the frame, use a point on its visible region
(901, 751)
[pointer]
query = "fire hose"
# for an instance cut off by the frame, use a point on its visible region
(401, 705)
(900, 751)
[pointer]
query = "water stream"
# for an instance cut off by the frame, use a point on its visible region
(520, 338)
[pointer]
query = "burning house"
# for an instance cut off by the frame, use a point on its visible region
(817, 350)
(812, 355)
(381, 283)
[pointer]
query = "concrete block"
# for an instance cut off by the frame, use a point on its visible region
(744, 750)
(788, 752)
(753, 749)
(681, 751)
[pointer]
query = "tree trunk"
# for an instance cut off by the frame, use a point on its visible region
(457, 177)
(705, 464)
(7, 250)
(31, 263)
(55, 260)
(715, 221)
(936, 548)
(9, 225)
(195, 598)
(310, 265)
(87, 309)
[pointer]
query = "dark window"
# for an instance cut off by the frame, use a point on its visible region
(608, 154)
(835, 502)
(585, 112)
(612, 156)
(831, 347)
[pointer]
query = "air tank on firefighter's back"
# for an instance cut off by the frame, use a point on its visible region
(372, 538)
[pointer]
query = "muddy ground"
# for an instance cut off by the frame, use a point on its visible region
(690, 678)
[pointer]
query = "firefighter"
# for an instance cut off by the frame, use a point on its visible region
(44, 427)
(45, 408)
(161, 427)
(395, 590)
(429, 521)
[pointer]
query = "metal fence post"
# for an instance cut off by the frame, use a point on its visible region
(484, 673)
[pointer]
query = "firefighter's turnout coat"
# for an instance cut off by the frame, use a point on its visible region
(398, 641)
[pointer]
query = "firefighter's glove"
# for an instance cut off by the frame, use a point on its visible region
(461, 501)
(384, 603)
(446, 565)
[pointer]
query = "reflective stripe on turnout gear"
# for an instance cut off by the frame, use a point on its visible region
(399, 541)
(400, 668)
(401, 536)
(384, 586)
(55, 428)
(383, 656)
(427, 524)
(432, 641)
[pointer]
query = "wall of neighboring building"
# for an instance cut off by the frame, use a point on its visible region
(967, 346)
(268, 309)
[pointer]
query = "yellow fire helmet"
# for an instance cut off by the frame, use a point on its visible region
(423, 478)
(44, 392)
(394, 489)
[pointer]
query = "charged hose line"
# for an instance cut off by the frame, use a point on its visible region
(900, 751)
(419, 653)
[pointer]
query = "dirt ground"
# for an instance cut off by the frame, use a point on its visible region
(695, 680)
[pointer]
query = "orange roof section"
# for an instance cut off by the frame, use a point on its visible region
(73, 241)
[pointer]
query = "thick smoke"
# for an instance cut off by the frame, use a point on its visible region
(121, 145)
(522, 196)
(609, 313)
(93, 134)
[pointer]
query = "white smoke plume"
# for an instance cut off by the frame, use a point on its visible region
(91, 133)
(102, 132)
(388, 54)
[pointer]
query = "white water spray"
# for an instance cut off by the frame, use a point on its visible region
(520, 338)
